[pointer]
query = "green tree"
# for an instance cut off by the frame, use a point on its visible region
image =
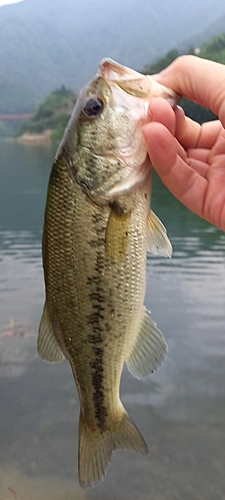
(53, 114)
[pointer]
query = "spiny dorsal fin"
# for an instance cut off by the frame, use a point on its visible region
(48, 347)
(158, 242)
(149, 350)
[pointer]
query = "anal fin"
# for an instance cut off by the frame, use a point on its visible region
(48, 347)
(149, 349)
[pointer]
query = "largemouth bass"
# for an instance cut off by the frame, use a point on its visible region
(98, 227)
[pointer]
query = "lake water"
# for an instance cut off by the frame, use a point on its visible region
(180, 410)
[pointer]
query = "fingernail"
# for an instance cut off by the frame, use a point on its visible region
(179, 112)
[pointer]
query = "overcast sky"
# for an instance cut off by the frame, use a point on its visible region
(6, 2)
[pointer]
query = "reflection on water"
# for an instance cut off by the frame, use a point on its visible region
(180, 410)
(21, 275)
(36, 488)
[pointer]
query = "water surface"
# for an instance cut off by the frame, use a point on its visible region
(180, 409)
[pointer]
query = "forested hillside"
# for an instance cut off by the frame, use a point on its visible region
(213, 50)
(53, 114)
(55, 111)
(46, 44)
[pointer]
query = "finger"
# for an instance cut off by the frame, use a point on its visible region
(182, 180)
(162, 147)
(187, 184)
(180, 150)
(219, 148)
(199, 154)
(161, 111)
(201, 167)
(209, 134)
(191, 134)
(197, 79)
(187, 131)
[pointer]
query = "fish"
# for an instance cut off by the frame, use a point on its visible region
(98, 226)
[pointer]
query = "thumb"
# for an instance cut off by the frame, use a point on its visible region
(199, 80)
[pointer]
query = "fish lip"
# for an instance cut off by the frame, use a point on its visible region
(110, 69)
(135, 83)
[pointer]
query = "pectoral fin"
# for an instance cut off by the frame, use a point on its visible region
(149, 349)
(158, 242)
(48, 347)
(117, 236)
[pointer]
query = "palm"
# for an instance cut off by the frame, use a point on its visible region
(190, 159)
(204, 192)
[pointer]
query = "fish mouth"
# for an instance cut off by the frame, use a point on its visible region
(114, 71)
(135, 83)
(127, 79)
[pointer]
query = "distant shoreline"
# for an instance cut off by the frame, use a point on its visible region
(9, 117)
(28, 138)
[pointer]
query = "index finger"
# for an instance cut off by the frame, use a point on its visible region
(199, 80)
(192, 135)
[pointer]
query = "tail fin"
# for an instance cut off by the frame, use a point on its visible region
(96, 447)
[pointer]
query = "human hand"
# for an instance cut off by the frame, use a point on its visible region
(189, 158)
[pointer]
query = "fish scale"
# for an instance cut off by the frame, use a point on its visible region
(98, 226)
(82, 263)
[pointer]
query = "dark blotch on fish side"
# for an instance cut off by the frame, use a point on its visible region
(118, 208)
(97, 381)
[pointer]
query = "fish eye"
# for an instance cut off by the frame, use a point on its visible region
(93, 107)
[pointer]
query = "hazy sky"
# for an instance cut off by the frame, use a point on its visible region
(6, 2)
